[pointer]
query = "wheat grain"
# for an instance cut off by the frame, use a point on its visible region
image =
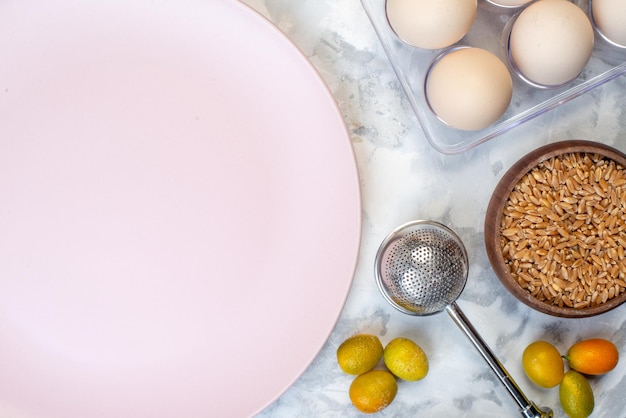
(563, 230)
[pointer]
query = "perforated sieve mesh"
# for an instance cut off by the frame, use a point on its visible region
(422, 268)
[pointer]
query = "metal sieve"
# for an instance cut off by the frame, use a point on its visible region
(421, 269)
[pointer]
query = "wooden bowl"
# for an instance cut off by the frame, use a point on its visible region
(577, 260)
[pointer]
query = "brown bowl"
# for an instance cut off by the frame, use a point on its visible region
(559, 247)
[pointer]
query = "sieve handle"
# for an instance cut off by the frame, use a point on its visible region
(527, 408)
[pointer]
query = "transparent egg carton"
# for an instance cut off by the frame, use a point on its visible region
(489, 31)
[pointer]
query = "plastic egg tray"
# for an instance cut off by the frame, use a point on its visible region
(489, 31)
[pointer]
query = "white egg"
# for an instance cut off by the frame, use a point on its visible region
(551, 42)
(610, 19)
(431, 24)
(469, 88)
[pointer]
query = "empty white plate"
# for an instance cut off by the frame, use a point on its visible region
(179, 210)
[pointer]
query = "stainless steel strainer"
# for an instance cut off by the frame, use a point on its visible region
(421, 269)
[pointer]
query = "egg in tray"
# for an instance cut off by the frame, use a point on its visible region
(475, 69)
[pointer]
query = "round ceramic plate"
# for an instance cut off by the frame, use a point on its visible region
(179, 210)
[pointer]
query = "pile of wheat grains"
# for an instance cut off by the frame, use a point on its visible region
(563, 230)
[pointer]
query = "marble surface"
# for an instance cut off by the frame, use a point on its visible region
(403, 178)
